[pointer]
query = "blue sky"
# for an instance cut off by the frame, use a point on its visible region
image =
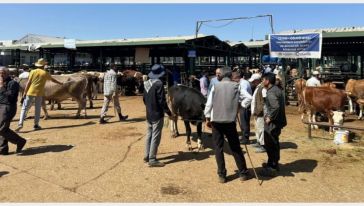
(107, 21)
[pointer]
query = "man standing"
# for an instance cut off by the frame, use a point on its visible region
(221, 109)
(313, 81)
(204, 83)
(275, 120)
(9, 90)
(156, 105)
(215, 80)
(111, 93)
(34, 91)
(245, 113)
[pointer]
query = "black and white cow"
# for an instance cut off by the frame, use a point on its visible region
(189, 104)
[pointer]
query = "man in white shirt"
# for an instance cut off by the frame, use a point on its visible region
(245, 113)
(313, 81)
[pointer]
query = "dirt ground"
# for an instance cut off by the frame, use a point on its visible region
(79, 160)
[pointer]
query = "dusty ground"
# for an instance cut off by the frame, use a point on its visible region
(78, 160)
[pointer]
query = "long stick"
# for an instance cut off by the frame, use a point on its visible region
(247, 151)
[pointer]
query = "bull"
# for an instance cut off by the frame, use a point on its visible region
(355, 91)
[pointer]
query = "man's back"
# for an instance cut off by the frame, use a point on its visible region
(38, 79)
(154, 99)
(110, 82)
(225, 101)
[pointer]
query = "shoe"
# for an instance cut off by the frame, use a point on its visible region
(18, 128)
(123, 118)
(256, 145)
(156, 164)
(268, 172)
(4, 152)
(145, 159)
(245, 176)
(222, 179)
(102, 120)
(37, 127)
(20, 146)
(260, 150)
(244, 141)
(265, 165)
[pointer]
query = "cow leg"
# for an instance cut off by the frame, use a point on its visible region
(81, 105)
(331, 121)
(313, 115)
(52, 105)
(44, 107)
(199, 137)
(188, 134)
(91, 103)
(351, 108)
(59, 106)
(361, 111)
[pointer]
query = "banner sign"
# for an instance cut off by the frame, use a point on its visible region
(266, 59)
(70, 43)
(295, 45)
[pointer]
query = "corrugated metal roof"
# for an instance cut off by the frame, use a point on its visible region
(331, 32)
(129, 42)
(111, 42)
(36, 38)
(251, 44)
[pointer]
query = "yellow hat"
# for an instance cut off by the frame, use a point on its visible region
(40, 63)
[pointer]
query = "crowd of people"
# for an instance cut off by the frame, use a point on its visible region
(231, 98)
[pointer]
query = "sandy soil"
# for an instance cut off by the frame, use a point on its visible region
(79, 160)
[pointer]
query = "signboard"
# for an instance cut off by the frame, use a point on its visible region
(191, 53)
(295, 45)
(70, 43)
(266, 59)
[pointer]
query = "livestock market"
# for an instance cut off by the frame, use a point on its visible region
(192, 118)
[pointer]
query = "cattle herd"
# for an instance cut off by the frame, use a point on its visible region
(189, 103)
(329, 100)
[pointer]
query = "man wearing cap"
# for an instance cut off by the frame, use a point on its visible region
(34, 91)
(9, 90)
(155, 102)
(245, 113)
(258, 109)
(313, 81)
(111, 93)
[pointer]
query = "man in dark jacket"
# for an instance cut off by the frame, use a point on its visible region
(275, 120)
(156, 105)
(9, 90)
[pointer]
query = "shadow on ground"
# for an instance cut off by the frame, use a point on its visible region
(63, 127)
(45, 149)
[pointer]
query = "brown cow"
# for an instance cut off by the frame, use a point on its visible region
(73, 87)
(299, 85)
(324, 100)
(355, 91)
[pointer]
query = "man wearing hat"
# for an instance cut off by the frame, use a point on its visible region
(314, 81)
(34, 91)
(156, 105)
(111, 93)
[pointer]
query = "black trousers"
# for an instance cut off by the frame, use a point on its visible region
(245, 121)
(271, 143)
(6, 134)
(229, 130)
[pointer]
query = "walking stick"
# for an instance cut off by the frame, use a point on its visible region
(247, 151)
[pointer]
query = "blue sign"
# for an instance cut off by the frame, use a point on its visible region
(295, 45)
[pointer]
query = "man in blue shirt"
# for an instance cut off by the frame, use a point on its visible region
(215, 80)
